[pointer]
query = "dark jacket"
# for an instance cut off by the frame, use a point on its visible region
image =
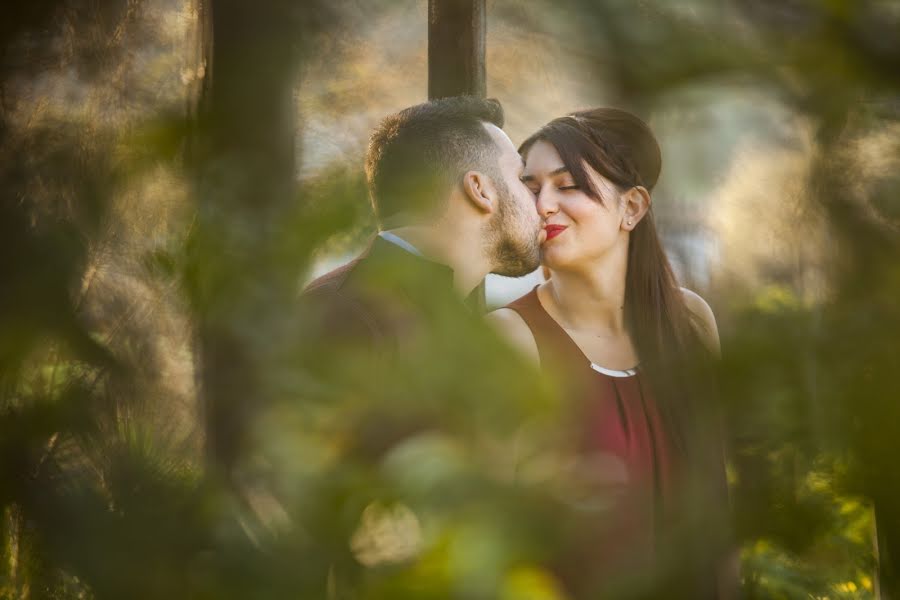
(377, 330)
(381, 297)
(392, 339)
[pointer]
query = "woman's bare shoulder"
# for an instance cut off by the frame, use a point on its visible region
(705, 319)
(511, 326)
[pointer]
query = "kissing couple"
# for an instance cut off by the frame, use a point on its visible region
(633, 352)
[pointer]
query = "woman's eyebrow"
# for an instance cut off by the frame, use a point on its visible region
(552, 173)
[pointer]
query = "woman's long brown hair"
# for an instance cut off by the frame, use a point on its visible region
(622, 148)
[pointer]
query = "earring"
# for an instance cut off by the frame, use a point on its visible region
(629, 221)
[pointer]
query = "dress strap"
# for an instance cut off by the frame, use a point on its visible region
(553, 343)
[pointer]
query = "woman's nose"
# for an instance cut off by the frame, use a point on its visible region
(545, 203)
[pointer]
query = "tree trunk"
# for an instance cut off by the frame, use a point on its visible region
(244, 162)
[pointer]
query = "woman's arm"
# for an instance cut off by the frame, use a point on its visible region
(512, 327)
(706, 320)
(728, 569)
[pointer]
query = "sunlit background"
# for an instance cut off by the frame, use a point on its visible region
(779, 202)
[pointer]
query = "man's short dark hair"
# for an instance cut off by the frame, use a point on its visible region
(420, 152)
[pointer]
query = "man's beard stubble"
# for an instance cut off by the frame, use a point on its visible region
(514, 251)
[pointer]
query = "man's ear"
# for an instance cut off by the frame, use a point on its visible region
(479, 189)
(637, 203)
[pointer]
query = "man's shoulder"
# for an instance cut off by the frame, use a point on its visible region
(390, 290)
(339, 309)
(337, 292)
(332, 281)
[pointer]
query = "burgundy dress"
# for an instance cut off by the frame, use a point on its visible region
(618, 423)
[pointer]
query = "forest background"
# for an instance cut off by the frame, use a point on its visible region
(171, 179)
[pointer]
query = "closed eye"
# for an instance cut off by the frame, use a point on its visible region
(564, 188)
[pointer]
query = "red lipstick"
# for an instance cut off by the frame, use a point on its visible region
(554, 230)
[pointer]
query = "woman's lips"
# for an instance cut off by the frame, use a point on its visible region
(554, 230)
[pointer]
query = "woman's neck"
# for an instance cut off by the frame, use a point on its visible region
(591, 299)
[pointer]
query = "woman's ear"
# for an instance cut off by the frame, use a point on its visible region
(479, 189)
(637, 203)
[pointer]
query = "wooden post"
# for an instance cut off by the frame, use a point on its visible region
(456, 66)
(456, 42)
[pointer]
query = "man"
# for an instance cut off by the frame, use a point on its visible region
(444, 182)
(394, 361)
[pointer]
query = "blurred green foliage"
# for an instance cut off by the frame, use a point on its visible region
(169, 430)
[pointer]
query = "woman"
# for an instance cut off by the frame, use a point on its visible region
(633, 348)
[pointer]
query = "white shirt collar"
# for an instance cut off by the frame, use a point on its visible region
(399, 241)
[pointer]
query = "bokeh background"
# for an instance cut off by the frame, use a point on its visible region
(165, 432)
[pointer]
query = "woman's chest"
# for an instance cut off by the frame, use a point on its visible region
(611, 352)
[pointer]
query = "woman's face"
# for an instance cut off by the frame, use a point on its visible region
(579, 229)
